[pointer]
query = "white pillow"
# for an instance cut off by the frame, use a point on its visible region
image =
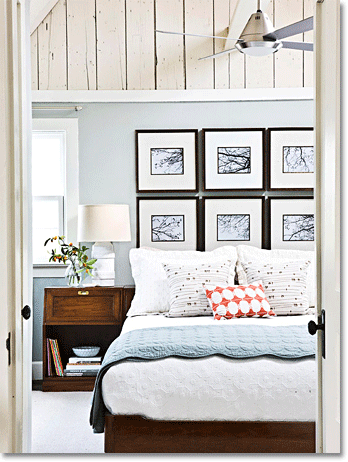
(247, 253)
(151, 284)
(186, 286)
(284, 284)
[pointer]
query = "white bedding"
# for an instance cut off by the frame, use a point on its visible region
(213, 388)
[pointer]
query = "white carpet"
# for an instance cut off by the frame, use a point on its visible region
(61, 424)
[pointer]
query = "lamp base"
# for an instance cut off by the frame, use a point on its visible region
(104, 268)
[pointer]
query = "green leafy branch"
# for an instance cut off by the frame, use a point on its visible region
(77, 257)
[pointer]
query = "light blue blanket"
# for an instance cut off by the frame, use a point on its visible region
(230, 340)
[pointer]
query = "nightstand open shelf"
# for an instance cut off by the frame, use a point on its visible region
(76, 317)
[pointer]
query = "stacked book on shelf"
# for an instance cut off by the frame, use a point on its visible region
(83, 367)
(54, 360)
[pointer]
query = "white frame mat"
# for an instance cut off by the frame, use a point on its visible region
(292, 138)
(215, 138)
(232, 206)
(289, 206)
(166, 139)
(147, 207)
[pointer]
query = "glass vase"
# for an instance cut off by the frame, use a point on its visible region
(73, 278)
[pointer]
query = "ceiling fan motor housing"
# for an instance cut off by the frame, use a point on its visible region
(252, 41)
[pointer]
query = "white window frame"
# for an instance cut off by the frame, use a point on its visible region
(71, 193)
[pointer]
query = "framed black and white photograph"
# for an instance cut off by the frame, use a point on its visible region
(233, 159)
(233, 221)
(233, 227)
(292, 159)
(167, 224)
(166, 160)
(292, 223)
(167, 228)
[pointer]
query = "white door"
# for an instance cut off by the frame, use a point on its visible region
(327, 54)
(15, 287)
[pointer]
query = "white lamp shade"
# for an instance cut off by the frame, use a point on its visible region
(103, 223)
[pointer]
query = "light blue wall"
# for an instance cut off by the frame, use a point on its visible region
(107, 155)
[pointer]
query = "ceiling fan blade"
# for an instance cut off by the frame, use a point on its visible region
(298, 45)
(293, 29)
(195, 35)
(225, 52)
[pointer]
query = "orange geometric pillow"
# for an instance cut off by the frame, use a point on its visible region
(238, 301)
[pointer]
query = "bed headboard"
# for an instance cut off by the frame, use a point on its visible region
(128, 294)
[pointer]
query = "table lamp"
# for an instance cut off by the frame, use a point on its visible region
(103, 225)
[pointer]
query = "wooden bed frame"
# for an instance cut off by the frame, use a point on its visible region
(136, 434)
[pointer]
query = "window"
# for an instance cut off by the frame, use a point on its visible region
(54, 182)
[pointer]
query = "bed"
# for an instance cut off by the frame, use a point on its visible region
(212, 402)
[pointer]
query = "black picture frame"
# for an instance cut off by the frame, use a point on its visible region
(263, 160)
(269, 159)
(173, 199)
(164, 189)
(297, 244)
(264, 234)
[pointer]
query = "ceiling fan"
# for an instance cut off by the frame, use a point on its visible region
(259, 38)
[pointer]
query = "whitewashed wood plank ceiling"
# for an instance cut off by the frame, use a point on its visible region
(111, 45)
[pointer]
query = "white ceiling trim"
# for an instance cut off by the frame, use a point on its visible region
(150, 96)
(39, 9)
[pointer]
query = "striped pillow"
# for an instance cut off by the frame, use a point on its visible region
(186, 293)
(284, 284)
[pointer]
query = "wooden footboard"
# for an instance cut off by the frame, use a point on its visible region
(134, 434)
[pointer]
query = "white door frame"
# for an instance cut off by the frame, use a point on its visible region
(327, 139)
(15, 193)
(26, 216)
(6, 242)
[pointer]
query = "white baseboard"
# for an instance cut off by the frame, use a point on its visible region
(37, 370)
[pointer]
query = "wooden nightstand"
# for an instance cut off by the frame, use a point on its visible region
(81, 316)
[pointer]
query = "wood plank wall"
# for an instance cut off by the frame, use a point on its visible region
(111, 45)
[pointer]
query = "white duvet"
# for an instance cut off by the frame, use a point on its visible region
(213, 388)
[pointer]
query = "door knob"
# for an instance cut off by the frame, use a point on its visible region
(26, 312)
(313, 328)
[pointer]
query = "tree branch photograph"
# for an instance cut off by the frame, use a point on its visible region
(167, 228)
(298, 159)
(167, 161)
(298, 227)
(233, 227)
(234, 160)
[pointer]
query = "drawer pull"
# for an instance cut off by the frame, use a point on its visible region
(83, 292)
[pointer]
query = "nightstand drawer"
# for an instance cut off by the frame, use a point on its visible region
(94, 305)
